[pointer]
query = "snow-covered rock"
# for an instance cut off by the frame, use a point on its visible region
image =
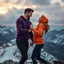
(6, 34)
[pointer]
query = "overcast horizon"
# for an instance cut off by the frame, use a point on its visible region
(53, 9)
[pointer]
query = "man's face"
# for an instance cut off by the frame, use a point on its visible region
(29, 14)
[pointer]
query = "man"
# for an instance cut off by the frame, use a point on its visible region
(24, 33)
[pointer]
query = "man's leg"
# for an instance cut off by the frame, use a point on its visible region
(23, 49)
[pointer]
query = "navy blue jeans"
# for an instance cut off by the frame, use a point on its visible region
(23, 47)
(36, 54)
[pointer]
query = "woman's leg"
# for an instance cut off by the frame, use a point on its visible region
(23, 47)
(35, 53)
(39, 58)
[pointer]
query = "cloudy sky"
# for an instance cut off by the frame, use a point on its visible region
(10, 10)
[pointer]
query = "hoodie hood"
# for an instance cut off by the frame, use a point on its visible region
(43, 19)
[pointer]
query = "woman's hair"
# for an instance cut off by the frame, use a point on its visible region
(47, 27)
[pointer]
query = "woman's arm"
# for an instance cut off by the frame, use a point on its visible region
(40, 29)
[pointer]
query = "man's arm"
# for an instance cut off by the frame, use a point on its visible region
(31, 35)
(19, 24)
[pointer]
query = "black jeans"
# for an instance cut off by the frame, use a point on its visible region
(23, 47)
(36, 54)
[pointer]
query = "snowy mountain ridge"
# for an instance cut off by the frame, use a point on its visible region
(11, 52)
(55, 44)
(6, 34)
(55, 37)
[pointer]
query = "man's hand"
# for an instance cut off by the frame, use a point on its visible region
(29, 30)
(31, 26)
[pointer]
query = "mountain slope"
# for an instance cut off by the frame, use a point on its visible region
(55, 43)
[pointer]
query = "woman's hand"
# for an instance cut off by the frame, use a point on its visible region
(31, 44)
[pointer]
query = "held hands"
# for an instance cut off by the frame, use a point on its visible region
(31, 26)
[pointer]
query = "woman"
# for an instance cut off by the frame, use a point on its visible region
(38, 39)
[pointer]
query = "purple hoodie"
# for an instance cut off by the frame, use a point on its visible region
(23, 26)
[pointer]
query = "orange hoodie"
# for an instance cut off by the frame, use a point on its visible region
(38, 31)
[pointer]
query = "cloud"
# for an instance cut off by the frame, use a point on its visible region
(11, 1)
(11, 16)
(62, 0)
(38, 2)
(54, 13)
(10, 10)
(6, 5)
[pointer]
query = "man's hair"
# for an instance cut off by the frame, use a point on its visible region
(28, 10)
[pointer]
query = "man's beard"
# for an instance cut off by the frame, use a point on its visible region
(28, 17)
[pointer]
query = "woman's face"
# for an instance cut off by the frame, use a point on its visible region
(39, 19)
(43, 19)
